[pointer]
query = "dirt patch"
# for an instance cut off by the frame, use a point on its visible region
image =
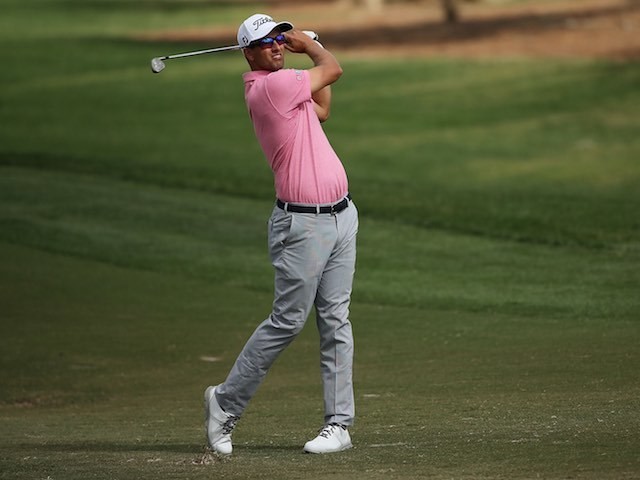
(555, 29)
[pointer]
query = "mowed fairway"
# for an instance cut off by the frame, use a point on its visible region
(497, 299)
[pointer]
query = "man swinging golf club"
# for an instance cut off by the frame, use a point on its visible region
(312, 232)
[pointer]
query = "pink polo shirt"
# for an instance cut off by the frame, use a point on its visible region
(305, 167)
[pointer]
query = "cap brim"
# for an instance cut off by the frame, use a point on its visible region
(283, 26)
(248, 36)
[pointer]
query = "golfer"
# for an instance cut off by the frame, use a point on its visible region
(312, 232)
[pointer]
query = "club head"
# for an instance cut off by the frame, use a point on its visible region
(157, 65)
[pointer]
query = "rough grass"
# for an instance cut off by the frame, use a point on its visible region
(103, 369)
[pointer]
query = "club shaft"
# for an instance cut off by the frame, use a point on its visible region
(201, 52)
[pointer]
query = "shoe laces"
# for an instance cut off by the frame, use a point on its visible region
(329, 429)
(229, 425)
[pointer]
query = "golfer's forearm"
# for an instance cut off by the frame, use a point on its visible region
(323, 97)
(325, 63)
(322, 103)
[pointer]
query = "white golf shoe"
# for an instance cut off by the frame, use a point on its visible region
(219, 424)
(332, 438)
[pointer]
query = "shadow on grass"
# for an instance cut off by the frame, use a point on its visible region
(268, 448)
(117, 447)
(109, 446)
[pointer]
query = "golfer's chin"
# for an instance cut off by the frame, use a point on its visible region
(277, 62)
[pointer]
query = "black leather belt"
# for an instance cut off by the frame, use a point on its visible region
(332, 209)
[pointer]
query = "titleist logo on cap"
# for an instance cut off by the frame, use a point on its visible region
(257, 26)
(261, 21)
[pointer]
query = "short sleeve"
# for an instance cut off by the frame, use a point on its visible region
(288, 88)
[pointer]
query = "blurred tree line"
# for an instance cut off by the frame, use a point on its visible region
(450, 8)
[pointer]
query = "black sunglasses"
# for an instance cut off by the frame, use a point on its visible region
(267, 42)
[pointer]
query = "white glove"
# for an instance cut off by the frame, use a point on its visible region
(313, 35)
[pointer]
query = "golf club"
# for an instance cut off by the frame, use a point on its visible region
(157, 63)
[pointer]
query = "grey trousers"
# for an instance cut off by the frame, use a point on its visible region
(314, 260)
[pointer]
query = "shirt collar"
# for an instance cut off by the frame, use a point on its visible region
(254, 75)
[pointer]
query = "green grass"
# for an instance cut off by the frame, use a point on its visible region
(496, 304)
(104, 372)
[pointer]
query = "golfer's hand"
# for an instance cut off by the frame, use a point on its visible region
(298, 42)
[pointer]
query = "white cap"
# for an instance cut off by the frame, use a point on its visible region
(258, 26)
